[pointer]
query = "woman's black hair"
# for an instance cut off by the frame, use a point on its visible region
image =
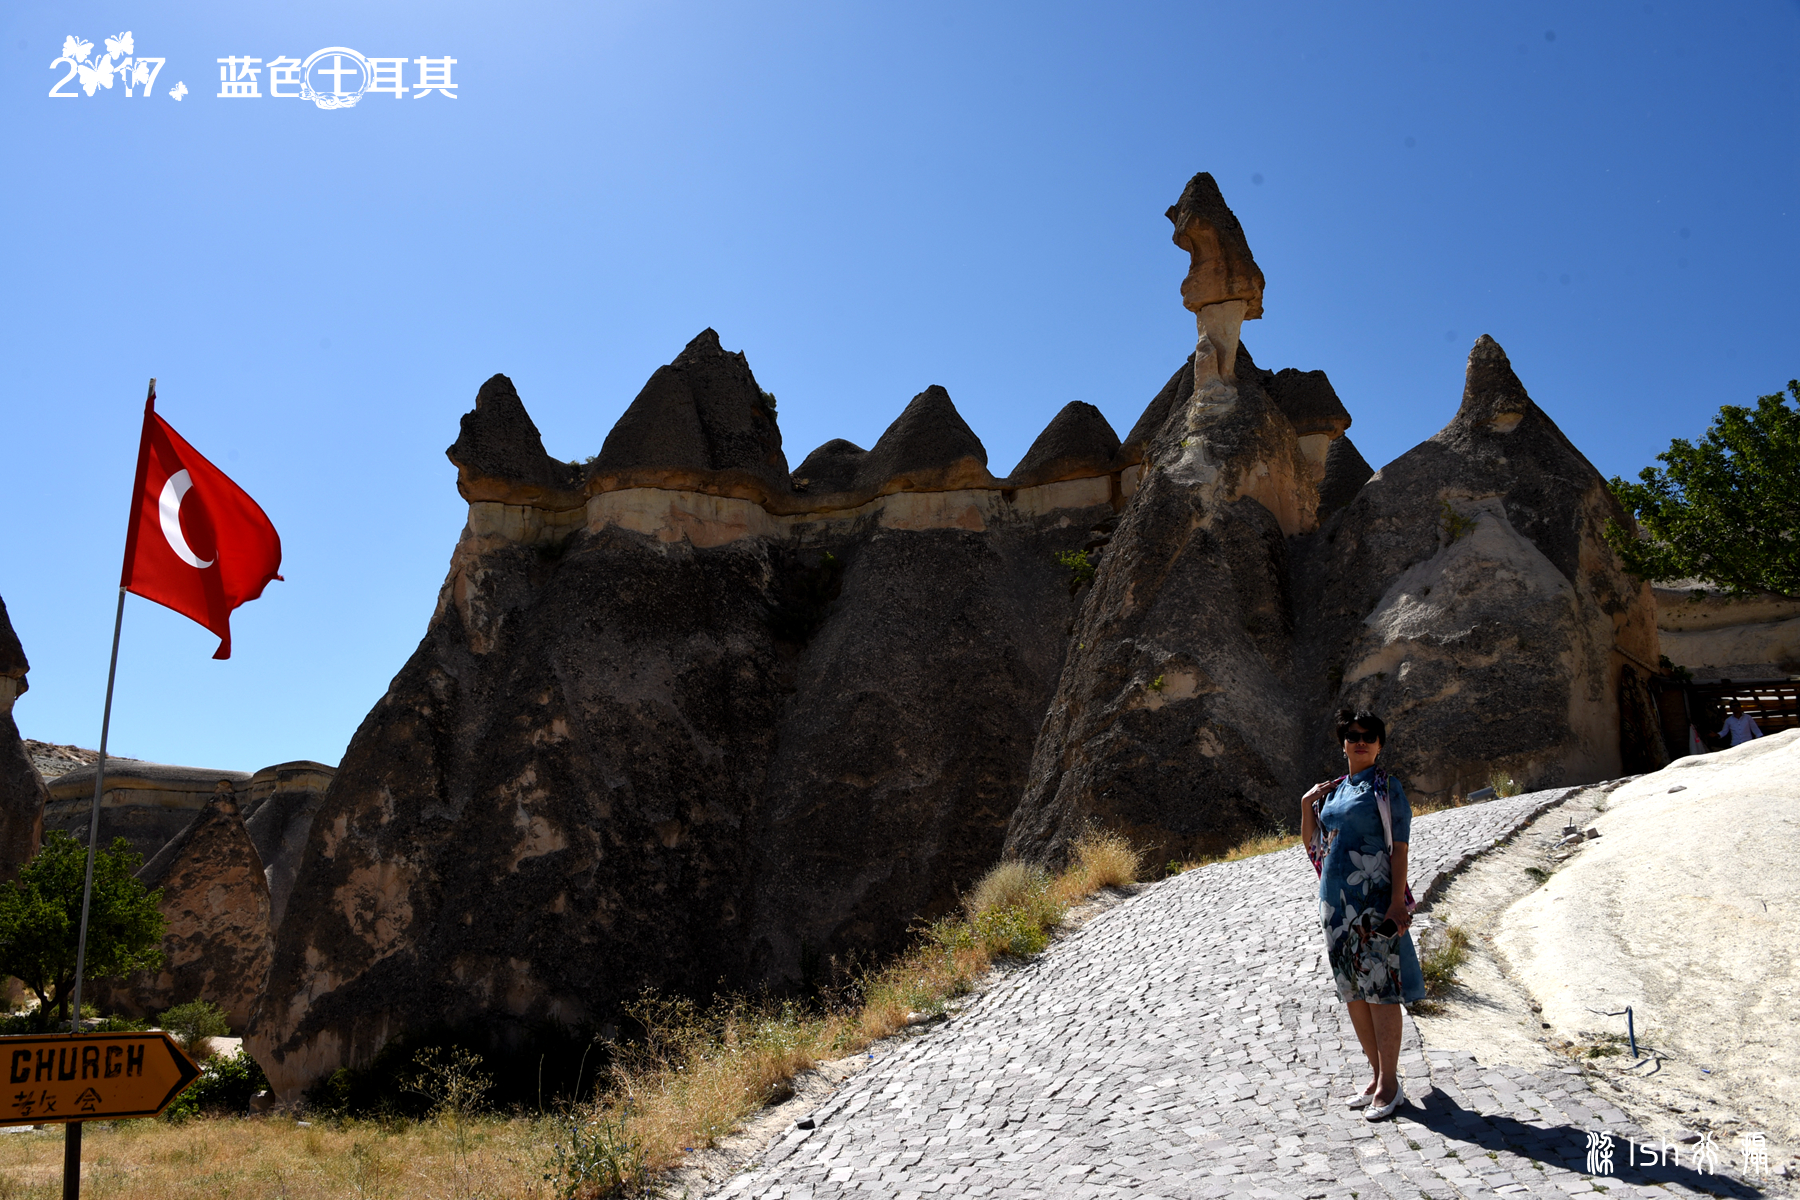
(1368, 722)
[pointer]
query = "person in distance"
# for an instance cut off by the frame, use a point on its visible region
(1355, 829)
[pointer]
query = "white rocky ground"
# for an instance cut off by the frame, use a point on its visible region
(1687, 908)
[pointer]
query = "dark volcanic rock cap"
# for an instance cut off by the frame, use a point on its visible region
(1221, 267)
(1309, 401)
(1078, 443)
(702, 422)
(831, 468)
(500, 455)
(928, 448)
(1491, 391)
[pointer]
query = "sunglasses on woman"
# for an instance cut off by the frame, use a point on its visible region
(1359, 737)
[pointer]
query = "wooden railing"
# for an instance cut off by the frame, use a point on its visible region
(1775, 704)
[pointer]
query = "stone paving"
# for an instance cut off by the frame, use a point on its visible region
(1188, 1043)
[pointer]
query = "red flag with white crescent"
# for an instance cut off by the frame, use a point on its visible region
(197, 542)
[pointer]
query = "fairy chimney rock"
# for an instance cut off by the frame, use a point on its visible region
(1493, 398)
(1345, 473)
(1079, 442)
(216, 900)
(701, 423)
(13, 665)
(499, 454)
(283, 800)
(928, 448)
(830, 469)
(1224, 286)
(1311, 404)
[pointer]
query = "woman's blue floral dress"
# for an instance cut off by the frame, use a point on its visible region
(1354, 892)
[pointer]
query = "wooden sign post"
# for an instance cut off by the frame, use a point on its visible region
(68, 1078)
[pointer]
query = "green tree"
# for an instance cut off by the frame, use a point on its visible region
(1727, 511)
(40, 920)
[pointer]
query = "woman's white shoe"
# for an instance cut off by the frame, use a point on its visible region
(1382, 1112)
(1362, 1101)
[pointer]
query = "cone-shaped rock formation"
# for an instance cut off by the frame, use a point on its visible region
(1173, 720)
(500, 455)
(928, 448)
(217, 905)
(285, 798)
(1309, 401)
(1078, 443)
(700, 420)
(1466, 593)
(833, 467)
(1345, 473)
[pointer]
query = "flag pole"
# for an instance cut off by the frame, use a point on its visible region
(87, 887)
(71, 1188)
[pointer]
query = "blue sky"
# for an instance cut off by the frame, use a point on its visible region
(866, 199)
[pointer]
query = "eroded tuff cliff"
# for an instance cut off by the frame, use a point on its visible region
(1466, 593)
(684, 735)
(1174, 720)
(684, 717)
(216, 901)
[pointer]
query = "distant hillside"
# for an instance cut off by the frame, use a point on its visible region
(53, 761)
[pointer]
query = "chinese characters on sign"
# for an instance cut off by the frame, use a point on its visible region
(77, 1077)
(335, 77)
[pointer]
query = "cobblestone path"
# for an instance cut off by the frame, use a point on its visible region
(1188, 1043)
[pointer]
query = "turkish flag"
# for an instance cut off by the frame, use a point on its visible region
(197, 542)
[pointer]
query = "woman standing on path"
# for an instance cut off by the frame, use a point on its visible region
(1363, 901)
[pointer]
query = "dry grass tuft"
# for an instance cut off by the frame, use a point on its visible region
(1008, 883)
(1442, 959)
(699, 1072)
(1262, 843)
(1100, 860)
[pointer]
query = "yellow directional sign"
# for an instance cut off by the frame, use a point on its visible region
(90, 1076)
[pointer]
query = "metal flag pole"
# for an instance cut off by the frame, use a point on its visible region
(87, 889)
(72, 1130)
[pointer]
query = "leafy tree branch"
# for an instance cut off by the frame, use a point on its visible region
(1725, 511)
(40, 920)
